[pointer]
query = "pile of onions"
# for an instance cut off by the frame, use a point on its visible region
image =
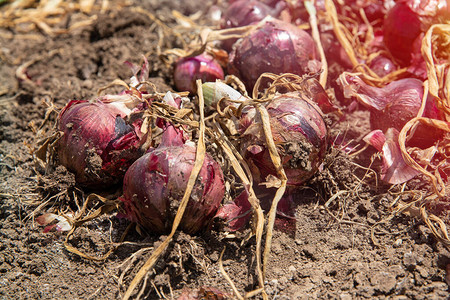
(245, 12)
(276, 47)
(188, 69)
(155, 184)
(98, 144)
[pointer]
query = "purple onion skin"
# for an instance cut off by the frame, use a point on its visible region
(277, 47)
(188, 70)
(98, 145)
(395, 104)
(155, 184)
(299, 131)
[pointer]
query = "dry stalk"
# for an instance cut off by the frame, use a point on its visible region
(241, 169)
(436, 44)
(227, 278)
(436, 180)
(108, 206)
(27, 16)
(200, 155)
(276, 160)
(437, 226)
(316, 36)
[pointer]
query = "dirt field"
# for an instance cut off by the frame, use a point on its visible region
(326, 253)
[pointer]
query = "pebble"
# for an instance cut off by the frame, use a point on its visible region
(345, 296)
(397, 243)
(384, 282)
(422, 271)
(409, 260)
(292, 269)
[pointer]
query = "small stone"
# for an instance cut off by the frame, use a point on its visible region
(292, 269)
(283, 280)
(401, 286)
(384, 282)
(397, 243)
(327, 279)
(345, 296)
(276, 248)
(310, 252)
(87, 84)
(400, 297)
(359, 279)
(409, 260)
(422, 271)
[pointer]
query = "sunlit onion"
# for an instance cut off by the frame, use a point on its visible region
(299, 132)
(276, 47)
(405, 22)
(98, 144)
(187, 70)
(155, 184)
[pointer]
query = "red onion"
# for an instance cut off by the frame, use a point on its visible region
(245, 12)
(390, 106)
(189, 69)
(98, 144)
(276, 47)
(405, 22)
(299, 132)
(156, 182)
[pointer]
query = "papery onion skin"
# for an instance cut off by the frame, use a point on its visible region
(155, 184)
(187, 70)
(277, 47)
(299, 132)
(394, 169)
(393, 105)
(98, 145)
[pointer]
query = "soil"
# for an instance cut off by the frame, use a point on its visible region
(349, 246)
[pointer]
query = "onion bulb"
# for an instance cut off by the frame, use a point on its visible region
(245, 12)
(155, 184)
(98, 144)
(189, 69)
(276, 47)
(406, 21)
(299, 132)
